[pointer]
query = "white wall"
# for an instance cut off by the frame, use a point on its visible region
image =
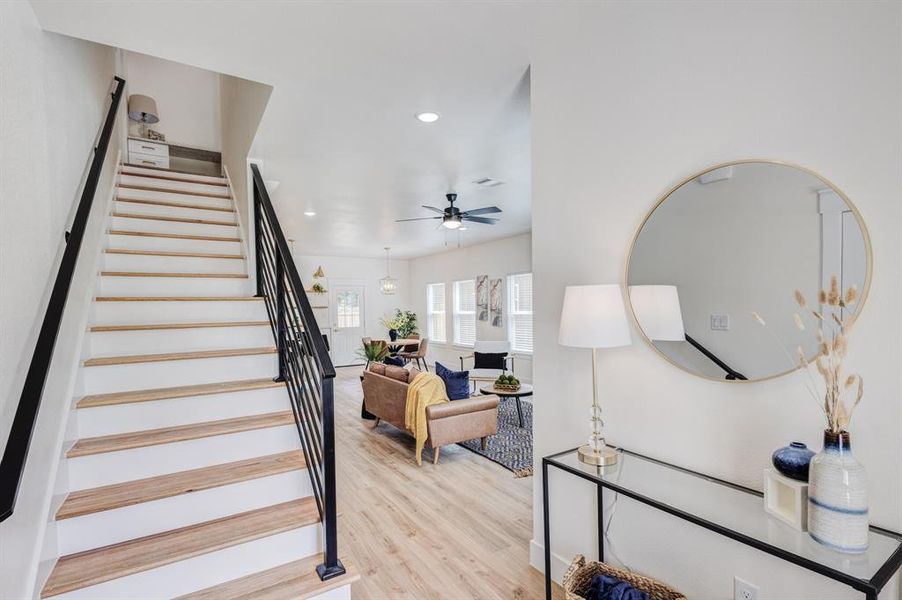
(54, 95)
(627, 100)
(368, 271)
(187, 98)
(497, 259)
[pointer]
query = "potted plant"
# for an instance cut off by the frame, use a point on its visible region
(837, 484)
(402, 324)
(373, 352)
(318, 288)
(392, 324)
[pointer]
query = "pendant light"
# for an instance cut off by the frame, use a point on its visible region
(388, 284)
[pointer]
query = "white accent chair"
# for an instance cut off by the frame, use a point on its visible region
(487, 375)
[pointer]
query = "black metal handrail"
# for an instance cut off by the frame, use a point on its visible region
(732, 374)
(12, 465)
(304, 364)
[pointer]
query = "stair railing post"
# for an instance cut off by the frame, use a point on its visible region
(331, 566)
(258, 239)
(282, 331)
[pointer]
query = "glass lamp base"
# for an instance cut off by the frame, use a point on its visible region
(605, 457)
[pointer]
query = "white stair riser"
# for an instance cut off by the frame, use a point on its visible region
(174, 286)
(170, 196)
(207, 570)
(130, 224)
(177, 186)
(341, 593)
(129, 169)
(125, 313)
(157, 341)
(147, 518)
(140, 242)
(172, 412)
(172, 264)
(138, 463)
(175, 211)
(171, 373)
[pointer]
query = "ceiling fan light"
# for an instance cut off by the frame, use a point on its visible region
(428, 116)
(452, 223)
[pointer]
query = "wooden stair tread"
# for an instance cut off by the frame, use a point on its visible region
(153, 188)
(155, 326)
(129, 493)
(174, 204)
(172, 253)
(296, 580)
(158, 274)
(83, 569)
(178, 236)
(167, 435)
(177, 299)
(132, 359)
(174, 219)
(182, 391)
(186, 179)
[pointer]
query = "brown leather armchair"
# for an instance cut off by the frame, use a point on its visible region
(385, 396)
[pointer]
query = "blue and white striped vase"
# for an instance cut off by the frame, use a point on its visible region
(838, 497)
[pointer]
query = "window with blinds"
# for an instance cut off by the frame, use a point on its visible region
(519, 311)
(435, 312)
(465, 312)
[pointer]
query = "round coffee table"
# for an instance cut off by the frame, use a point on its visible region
(525, 390)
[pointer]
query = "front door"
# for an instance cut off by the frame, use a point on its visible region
(348, 326)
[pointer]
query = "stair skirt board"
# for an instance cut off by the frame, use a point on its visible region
(207, 569)
(126, 312)
(154, 225)
(174, 412)
(149, 461)
(147, 518)
(116, 261)
(138, 376)
(152, 286)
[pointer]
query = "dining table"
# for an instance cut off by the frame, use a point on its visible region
(398, 344)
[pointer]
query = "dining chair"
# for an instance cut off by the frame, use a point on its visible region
(418, 355)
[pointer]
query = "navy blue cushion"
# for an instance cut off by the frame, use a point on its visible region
(457, 383)
(490, 360)
(393, 360)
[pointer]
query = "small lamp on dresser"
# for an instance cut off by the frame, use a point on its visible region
(143, 109)
(594, 317)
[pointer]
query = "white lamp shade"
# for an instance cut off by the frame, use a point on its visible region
(143, 109)
(657, 308)
(593, 316)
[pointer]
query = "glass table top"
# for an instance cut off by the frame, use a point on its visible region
(731, 508)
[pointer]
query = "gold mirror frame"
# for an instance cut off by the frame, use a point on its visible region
(626, 271)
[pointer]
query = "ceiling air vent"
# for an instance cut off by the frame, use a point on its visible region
(488, 182)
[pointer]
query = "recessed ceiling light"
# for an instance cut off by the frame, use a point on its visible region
(309, 213)
(428, 116)
(461, 228)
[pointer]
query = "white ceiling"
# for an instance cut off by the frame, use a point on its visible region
(339, 133)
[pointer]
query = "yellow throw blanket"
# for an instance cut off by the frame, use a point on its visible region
(425, 389)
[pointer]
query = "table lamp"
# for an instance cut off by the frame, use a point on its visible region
(143, 109)
(594, 317)
(657, 309)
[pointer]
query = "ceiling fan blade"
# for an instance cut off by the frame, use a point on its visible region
(488, 210)
(479, 220)
(434, 209)
(417, 219)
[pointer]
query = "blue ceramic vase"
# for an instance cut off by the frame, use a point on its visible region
(793, 461)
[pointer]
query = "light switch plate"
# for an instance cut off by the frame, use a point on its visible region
(720, 322)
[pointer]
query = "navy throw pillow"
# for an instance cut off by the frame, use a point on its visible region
(457, 383)
(393, 360)
(489, 360)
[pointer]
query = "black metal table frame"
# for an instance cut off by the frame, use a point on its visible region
(870, 588)
(512, 395)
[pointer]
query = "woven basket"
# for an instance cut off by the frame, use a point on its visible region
(580, 574)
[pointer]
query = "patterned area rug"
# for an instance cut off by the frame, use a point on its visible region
(511, 447)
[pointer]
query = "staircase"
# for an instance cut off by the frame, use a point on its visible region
(187, 478)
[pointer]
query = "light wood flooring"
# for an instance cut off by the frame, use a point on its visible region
(456, 530)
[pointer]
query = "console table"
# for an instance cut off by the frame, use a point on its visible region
(725, 508)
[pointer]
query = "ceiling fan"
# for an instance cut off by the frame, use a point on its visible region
(452, 217)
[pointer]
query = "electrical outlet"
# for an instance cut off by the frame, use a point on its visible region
(743, 590)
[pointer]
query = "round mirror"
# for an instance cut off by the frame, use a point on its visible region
(735, 239)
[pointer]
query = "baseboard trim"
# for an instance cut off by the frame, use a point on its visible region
(559, 564)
